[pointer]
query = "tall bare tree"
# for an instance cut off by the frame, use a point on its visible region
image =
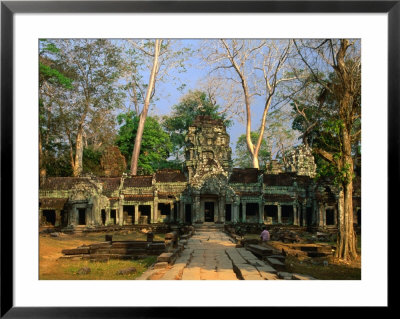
(155, 59)
(342, 59)
(258, 67)
(142, 118)
(94, 64)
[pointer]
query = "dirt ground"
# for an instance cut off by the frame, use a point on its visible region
(50, 268)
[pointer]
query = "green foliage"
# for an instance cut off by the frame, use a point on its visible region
(91, 161)
(54, 76)
(183, 114)
(243, 158)
(156, 145)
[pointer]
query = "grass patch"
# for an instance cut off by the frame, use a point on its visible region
(50, 268)
(330, 272)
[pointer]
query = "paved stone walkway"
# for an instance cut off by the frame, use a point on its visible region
(211, 255)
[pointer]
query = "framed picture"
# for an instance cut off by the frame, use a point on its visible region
(23, 23)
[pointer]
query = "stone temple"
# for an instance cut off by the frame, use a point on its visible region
(209, 190)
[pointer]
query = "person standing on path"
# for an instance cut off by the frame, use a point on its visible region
(264, 235)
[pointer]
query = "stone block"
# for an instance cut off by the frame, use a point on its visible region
(76, 251)
(161, 265)
(267, 268)
(276, 263)
(167, 257)
(285, 275)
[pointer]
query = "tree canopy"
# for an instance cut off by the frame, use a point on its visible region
(194, 103)
(156, 144)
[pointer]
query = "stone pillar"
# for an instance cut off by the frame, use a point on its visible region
(120, 215)
(182, 211)
(260, 212)
(221, 210)
(155, 216)
(279, 214)
(108, 215)
(136, 214)
(40, 216)
(335, 216)
(196, 209)
(172, 215)
(244, 212)
(75, 219)
(235, 212)
(304, 207)
(320, 215)
(58, 218)
(295, 215)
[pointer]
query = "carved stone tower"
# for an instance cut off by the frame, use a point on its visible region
(208, 165)
(207, 149)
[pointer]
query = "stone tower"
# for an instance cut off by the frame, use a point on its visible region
(207, 150)
(301, 161)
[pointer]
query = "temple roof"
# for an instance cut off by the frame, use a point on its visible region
(110, 185)
(170, 176)
(52, 203)
(244, 175)
(138, 181)
(282, 179)
(62, 183)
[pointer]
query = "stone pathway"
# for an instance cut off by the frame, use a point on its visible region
(211, 255)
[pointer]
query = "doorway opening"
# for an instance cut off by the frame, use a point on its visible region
(228, 212)
(81, 216)
(49, 217)
(209, 211)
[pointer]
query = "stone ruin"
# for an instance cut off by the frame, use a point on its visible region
(208, 191)
(301, 161)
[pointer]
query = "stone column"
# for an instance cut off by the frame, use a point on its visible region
(120, 215)
(260, 212)
(295, 213)
(196, 209)
(304, 207)
(279, 214)
(155, 216)
(108, 215)
(335, 216)
(152, 213)
(221, 210)
(182, 211)
(58, 218)
(136, 214)
(172, 215)
(244, 212)
(320, 215)
(40, 216)
(235, 212)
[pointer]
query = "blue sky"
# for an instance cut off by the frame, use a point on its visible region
(170, 95)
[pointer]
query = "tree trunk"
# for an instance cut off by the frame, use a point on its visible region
(256, 163)
(42, 166)
(78, 167)
(143, 115)
(346, 242)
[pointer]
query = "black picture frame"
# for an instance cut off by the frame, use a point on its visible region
(9, 8)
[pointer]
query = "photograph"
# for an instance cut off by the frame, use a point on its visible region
(199, 159)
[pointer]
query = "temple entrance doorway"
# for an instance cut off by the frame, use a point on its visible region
(81, 216)
(209, 211)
